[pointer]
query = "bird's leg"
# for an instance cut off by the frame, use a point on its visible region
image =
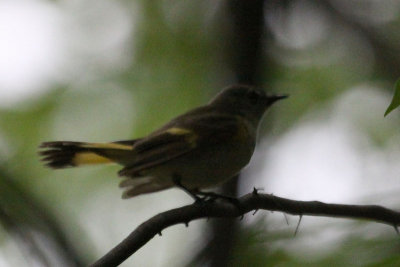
(213, 196)
(193, 193)
(207, 196)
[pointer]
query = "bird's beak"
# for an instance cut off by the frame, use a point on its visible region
(273, 98)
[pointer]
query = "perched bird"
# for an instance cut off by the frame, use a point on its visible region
(202, 148)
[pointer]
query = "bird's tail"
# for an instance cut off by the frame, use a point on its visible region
(64, 154)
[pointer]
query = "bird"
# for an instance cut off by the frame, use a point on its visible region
(198, 150)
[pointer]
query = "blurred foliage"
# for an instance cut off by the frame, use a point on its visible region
(173, 59)
(395, 100)
(258, 248)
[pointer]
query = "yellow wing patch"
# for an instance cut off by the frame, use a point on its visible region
(178, 131)
(190, 137)
(89, 158)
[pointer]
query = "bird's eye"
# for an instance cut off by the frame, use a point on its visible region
(253, 97)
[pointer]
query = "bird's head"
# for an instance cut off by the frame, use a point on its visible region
(244, 100)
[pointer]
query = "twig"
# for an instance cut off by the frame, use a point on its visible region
(147, 230)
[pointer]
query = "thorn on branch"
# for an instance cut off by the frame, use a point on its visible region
(186, 224)
(286, 218)
(395, 226)
(255, 211)
(159, 233)
(255, 190)
(298, 225)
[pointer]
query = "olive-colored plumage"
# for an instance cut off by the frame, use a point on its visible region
(202, 148)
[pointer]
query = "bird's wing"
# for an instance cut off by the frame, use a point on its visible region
(176, 139)
(159, 148)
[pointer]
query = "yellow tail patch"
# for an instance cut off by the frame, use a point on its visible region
(84, 158)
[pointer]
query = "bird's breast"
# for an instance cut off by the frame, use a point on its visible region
(211, 165)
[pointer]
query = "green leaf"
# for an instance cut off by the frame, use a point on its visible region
(396, 98)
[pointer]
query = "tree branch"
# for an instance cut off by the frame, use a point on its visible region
(250, 202)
